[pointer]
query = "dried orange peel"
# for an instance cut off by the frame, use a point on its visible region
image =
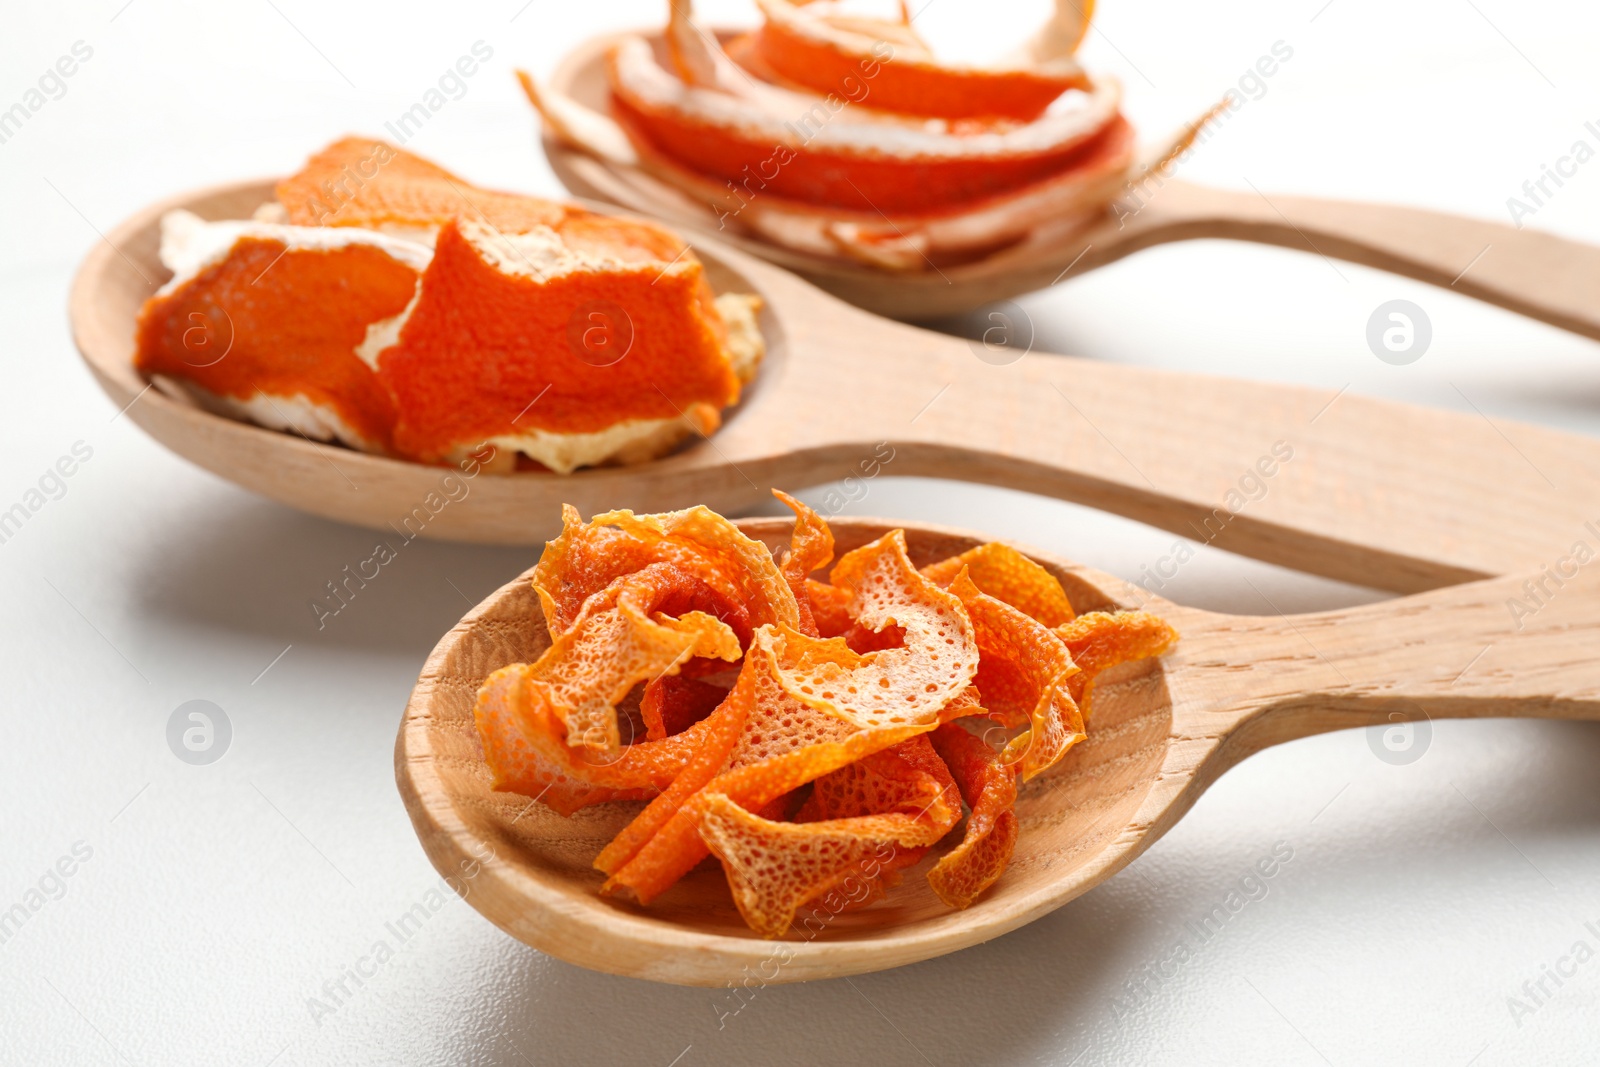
(387, 304)
(846, 136)
(818, 738)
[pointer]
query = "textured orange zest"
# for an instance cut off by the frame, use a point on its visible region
(812, 701)
(620, 640)
(990, 790)
(830, 608)
(524, 746)
(864, 821)
(289, 321)
(583, 560)
(903, 79)
(1023, 678)
(674, 702)
(1100, 640)
(870, 726)
(810, 549)
(1006, 574)
(373, 185)
(725, 725)
(678, 846)
(483, 345)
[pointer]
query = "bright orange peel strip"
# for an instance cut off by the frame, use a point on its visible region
(1006, 574)
(990, 790)
(1023, 677)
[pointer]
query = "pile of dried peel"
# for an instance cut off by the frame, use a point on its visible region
(834, 133)
(384, 302)
(803, 732)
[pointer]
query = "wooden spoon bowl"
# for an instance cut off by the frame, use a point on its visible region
(1160, 733)
(1377, 493)
(1535, 274)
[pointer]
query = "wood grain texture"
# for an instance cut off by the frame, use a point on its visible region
(1537, 274)
(1160, 733)
(1378, 493)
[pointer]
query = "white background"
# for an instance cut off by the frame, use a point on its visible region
(219, 898)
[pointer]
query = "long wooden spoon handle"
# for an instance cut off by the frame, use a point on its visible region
(1517, 646)
(1530, 272)
(1369, 491)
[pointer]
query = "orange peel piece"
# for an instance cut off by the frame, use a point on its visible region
(1023, 678)
(1006, 574)
(990, 790)
(674, 702)
(810, 549)
(373, 185)
(678, 846)
(863, 821)
(524, 747)
(814, 705)
(517, 336)
(584, 559)
(619, 640)
(1101, 640)
(774, 868)
(830, 608)
(873, 729)
(879, 63)
(858, 161)
(905, 685)
(717, 552)
(267, 321)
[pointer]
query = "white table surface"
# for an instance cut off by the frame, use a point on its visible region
(216, 900)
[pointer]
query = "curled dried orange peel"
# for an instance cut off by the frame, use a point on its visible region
(383, 302)
(818, 738)
(844, 135)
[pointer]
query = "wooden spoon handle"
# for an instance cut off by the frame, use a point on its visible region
(1508, 647)
(1369, 491)
(1532, 273)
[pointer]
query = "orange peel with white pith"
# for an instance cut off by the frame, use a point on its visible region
(385, 303)
(816, 767)
(845, 136)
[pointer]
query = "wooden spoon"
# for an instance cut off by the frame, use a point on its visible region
(1160, 733)
(1374, 492)
(1532, 273)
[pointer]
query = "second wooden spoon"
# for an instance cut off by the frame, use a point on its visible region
(1369, 491)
